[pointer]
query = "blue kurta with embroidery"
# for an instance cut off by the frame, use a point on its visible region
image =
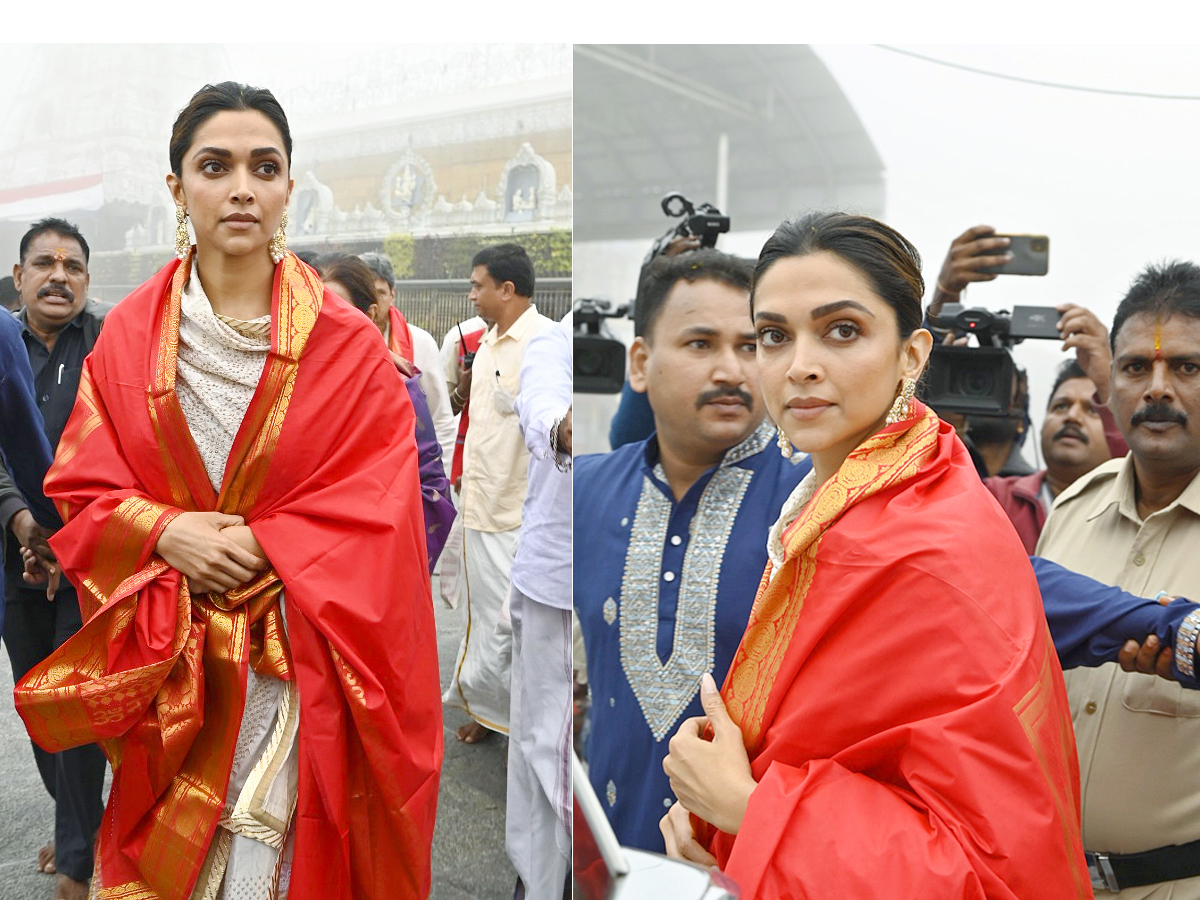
(663, 590)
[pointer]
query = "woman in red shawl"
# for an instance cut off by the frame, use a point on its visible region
(894, 723)
(243, 521)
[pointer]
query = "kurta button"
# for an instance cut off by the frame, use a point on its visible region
(676, 540)
(610, 610)
(45, 398)
(1090, 707)
(610, 793)
(612, 701)
(668, 576)
(1139, 560)
(624, 522)
(667, 802)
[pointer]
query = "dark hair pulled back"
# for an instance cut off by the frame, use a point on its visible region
(880, 253)
(214, 98)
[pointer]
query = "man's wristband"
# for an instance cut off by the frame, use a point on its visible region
(562, 459)
(1185, 644)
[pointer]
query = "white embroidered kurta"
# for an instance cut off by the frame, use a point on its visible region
(219, 366)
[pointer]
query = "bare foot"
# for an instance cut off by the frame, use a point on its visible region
(45, 861)
(473, 733)
(69, 889)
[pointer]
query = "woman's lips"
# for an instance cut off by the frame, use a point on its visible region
(807, 409)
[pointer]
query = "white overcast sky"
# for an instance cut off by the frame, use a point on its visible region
(1111, 179)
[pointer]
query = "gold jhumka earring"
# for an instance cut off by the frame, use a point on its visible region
(278, 246)
(785, 446)
(183, 241)
(902, 408)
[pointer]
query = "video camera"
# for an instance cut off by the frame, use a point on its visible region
(704, 221)
(599, 357)
(979, 380)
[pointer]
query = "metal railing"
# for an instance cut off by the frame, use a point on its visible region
(437, 305)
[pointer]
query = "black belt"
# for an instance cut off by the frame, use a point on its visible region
(1117, 871)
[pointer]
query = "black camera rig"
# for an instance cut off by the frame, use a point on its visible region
(599, 357)
(979, 380)
(705, 222)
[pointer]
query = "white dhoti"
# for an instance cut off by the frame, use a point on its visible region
(538, 817)
(482, 670)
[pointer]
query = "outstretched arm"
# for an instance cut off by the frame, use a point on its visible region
(1092, 623)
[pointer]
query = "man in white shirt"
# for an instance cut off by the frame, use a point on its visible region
(494, 479)
(538, 819)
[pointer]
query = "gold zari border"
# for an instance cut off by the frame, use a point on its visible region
(886, 458)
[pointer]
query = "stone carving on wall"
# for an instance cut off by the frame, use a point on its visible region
(408, 190)
(527, 190)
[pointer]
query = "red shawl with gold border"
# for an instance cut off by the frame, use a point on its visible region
(324, 471)
(900, 698)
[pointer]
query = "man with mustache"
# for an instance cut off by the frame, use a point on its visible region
(59, 327)
(494, 483)
(1135, 523)
(669, 530)
(1073, 443)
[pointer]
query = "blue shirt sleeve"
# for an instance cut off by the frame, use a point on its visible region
(22, 436)
(1090, 621)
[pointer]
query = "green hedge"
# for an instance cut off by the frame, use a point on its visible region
(450, 257)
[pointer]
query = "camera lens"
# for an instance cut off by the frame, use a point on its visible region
(973, 383)
(589, 362)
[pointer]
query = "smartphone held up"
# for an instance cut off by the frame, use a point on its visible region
(1030, 255)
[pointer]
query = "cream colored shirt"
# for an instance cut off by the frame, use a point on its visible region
(495, 458)
(1138, 735)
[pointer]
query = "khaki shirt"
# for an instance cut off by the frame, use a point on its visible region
(1138, 735)
(495, 458)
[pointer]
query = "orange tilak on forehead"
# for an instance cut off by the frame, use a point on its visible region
(59, 254)
(1158, 339)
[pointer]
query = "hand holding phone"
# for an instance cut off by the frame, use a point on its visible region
(969, 254)
(1029, 254)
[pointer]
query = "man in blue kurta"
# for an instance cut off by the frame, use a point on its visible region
(670, 542)
(670, 531)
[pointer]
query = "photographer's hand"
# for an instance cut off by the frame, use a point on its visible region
(971, 251)
(681, 244)
(1084, 333)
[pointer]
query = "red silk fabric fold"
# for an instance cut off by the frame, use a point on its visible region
(900, 697)
(324, 471)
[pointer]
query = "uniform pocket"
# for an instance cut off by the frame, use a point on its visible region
(1149, 693)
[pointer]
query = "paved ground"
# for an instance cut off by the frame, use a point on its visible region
(468, 846)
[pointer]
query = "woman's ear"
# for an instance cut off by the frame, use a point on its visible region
(175, 186)
(916, 353)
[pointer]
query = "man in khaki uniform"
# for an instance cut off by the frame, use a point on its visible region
(1135, 523)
